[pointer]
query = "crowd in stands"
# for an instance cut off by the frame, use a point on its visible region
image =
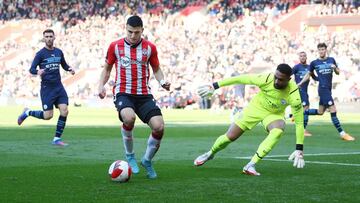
(71, 12)
(192, 51)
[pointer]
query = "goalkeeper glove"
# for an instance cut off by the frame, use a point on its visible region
(298, 158)
(206, 90)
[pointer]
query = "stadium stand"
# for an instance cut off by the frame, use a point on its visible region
(207, 42)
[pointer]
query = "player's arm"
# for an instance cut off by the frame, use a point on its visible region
(306, 78)
(297, 110)
(335, 67)
(105, 73)
(104, 77)
(247, 79)
(253, 79)
(159, 75)
(64, 65)
(33, 69)
(155, 65)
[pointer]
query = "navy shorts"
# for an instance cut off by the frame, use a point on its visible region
(144, 105)
(325, 97)
(53, 94)
(304, 98)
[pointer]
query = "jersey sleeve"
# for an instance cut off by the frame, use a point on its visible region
(35, 63)
(334, 62)
(297, 110)
(110, 54)
(312, 67)
(247, 79)
(63, 62)
(294, 70)
(153, 59)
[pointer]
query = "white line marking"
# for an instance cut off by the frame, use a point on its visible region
(318, 154)
(315, 162)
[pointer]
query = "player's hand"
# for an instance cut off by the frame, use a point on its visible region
(205, 90)
(71, 71)
(298, 157)
(102, 92)
(165, 84)
(40, 72)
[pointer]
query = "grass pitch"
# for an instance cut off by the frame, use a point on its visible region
(31, 170)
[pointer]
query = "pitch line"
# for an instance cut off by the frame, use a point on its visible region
(318, 154)
(315, 162)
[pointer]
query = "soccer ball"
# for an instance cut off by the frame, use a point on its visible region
(120, 171)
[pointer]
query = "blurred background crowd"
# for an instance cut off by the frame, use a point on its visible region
(198, 42)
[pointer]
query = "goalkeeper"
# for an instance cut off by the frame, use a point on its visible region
(277, 91)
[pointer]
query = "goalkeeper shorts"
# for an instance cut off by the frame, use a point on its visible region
(252, 115)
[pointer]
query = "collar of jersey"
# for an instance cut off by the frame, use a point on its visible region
(134, 45)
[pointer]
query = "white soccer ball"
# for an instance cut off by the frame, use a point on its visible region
(120, 171)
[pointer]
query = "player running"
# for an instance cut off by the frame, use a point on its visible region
(299, 71)
(324, 67)
(52, 91)
(132, 56)
(267, 107)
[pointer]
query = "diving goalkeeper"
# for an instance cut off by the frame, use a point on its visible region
(277, 91)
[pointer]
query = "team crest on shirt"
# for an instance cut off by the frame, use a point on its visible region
(120, 103)
(144, 51)
(125, 61)
(283, 101)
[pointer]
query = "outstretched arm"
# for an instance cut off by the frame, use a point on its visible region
(104, 77)
(248, 79)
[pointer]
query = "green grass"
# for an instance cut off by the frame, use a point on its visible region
(31, 170)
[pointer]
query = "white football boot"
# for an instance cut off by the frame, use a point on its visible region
(200, 160)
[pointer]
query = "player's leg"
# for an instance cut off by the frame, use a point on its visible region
(150, 113)
(246, 120)
(306, 120)
(47, 101)
(220, 143)
(156, 124)
(275, 125)
(126, 113)
(61, 101)
(60, 126)
(344, 136)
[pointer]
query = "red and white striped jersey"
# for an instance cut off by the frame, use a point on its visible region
(132, 65)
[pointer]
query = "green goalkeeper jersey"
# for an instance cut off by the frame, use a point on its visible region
(273, 100)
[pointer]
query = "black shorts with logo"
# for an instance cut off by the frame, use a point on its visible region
(144, 105)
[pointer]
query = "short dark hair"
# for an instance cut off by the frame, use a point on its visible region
(285, 69)
(48, 31)
(134, 21)
(320, 45)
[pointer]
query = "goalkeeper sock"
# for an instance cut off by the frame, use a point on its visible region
(336, 122)
(220, 143)
(36, 114)
(266, 146)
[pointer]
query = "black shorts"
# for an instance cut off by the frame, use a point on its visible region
(144, 105)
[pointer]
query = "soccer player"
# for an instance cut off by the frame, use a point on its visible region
(299, 71)
(277, 91)
(52, 92)
(324, 67)
(132, 56)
